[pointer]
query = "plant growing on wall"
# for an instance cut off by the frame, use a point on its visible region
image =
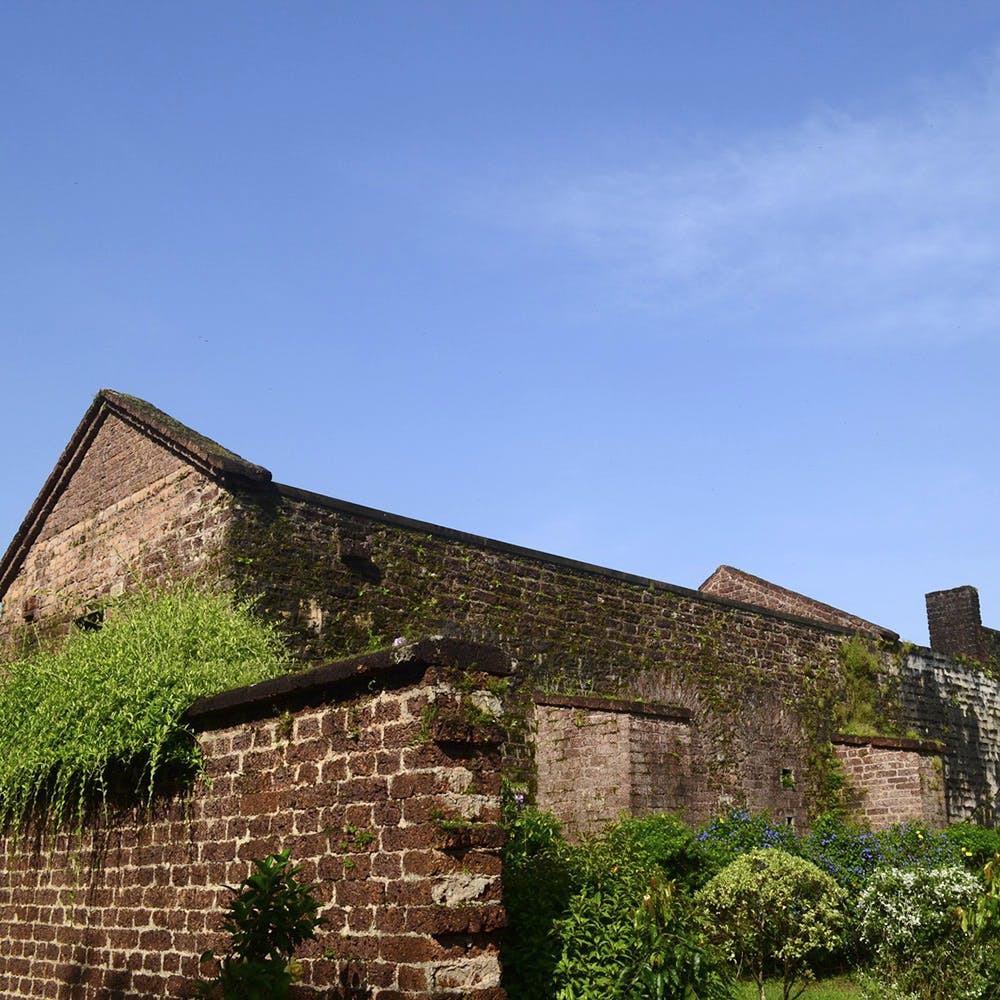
(871, 698)
(270, 915)
(102, 714)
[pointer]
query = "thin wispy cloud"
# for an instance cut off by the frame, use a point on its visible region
(841, 227)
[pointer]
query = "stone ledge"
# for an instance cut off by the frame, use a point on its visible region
(887, 743)
(622, 705)
(400, 663)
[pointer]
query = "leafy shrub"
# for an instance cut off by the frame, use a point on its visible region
(672, 956)
(631, 935)
(270, 915)
(604, 918)
(975, 845)
(726, 838)
(537, 883)
(980, 924)
(105, 708)
(667, 843)
(907, 917)
(596, 933)
(771, 909)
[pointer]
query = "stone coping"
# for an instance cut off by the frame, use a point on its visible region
(599, 704)
(400, 663)
(887, 743)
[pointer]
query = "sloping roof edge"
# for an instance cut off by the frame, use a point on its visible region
(823, 612)
(205, 454)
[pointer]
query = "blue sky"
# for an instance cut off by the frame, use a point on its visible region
(655, 286)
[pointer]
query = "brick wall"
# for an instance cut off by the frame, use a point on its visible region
(760, 683)
(959, 705)
(956, 628)
(735, 585)
(344, 578)
(893, 780)
(130, 510)
(390, 807)
(601, 757)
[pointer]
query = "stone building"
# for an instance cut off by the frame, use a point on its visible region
(630, 694)
(379, 763)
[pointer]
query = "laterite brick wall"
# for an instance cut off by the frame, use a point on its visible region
(390, 806)
(343, 578)
(601, 757)
(760, 684)
(959, 705)
(893, 780)
(130, 510)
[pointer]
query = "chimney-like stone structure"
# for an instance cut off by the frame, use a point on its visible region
(955, 623)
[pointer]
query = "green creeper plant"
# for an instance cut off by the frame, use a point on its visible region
(270, 915)
(100, 716)
(770, 909)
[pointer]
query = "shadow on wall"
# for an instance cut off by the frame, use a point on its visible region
(949, 702)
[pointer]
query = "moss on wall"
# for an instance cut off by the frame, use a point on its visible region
(342, 582)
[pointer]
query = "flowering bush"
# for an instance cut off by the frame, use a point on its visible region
(726, 838)
(909, 845)
(907, 917)
(847, 852)
(772, 910)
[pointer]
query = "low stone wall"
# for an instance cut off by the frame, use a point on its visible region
(379, 774)
(893, 780)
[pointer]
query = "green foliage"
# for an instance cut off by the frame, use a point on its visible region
(537, 884)
(837, 988)
(981, 918)
(661, 843)
(907, 917)
(608, 918)
(100, 716)
(270, 915)
(770, 909)
(859, 713)
(976, 845)
(672, 957)
(619, 915)
(631, 935)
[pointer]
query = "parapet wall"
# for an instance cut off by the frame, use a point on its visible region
(374, 773)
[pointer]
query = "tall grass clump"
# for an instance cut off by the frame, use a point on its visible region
(100, 716)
